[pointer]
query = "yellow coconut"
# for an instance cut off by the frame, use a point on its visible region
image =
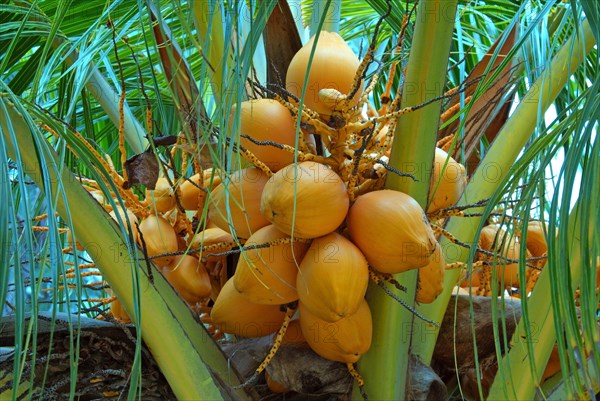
(333, 66)
(447, 183)
(472, 281)
(189, 277)
(293, 334)
(537, 247)
(235, 204)
(212, 237)
(268, 275)
(162, 197)
(391, 230)
(159, 237)
(274, 385)
(118, 312)
(431, 278)
(495, 239)
(233, 314)
(536, 238)
(553, 365)
(99, 196)
(343, 341)
(308, 195)
(267, 120)
(192, 197)
(333, 278)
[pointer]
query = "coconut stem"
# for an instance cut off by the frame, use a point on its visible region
(359, 380)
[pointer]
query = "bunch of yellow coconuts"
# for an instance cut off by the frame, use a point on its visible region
(305, 234)
(320, 241)
(506, 248)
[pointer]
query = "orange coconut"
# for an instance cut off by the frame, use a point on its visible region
(233, 314)
(189, 277)
(447, 183)
(472, 281)
(495, 239)
(343, 341)
(159, 237)
(211, 237)
(293, 334)
(192, 197)
(162, 197)
(308, 195)
(391, 230)
(99, 196)
(119, 312)
(431, 278)
(274, 385)
(333, 278)
(333, 66)
(536, 238)
(267, 120)
(268, 275)
(235, 204)
(553, 365)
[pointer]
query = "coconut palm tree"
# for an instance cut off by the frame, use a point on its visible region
(87, 86)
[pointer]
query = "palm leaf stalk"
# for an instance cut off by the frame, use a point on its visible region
(385, 366)
(184, 350)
